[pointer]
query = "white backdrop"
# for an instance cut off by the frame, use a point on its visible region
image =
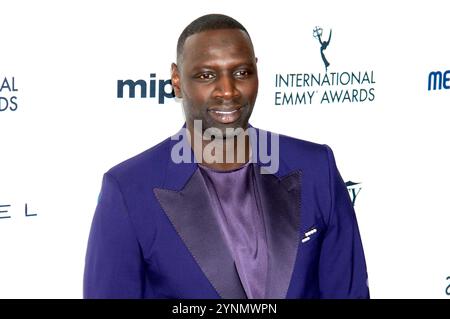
(69, 126)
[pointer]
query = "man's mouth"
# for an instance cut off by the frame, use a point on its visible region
(226, 116)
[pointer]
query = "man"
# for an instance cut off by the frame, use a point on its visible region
(223, 224)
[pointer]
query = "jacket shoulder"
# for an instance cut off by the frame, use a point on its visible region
(146, 166)
(303, 154)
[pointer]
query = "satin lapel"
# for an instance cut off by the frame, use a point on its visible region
(190, 212)
(280, 203)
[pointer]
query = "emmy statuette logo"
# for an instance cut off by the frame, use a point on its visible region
(317, 33)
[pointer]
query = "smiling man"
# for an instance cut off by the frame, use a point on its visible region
(216, 76)
(200, 215)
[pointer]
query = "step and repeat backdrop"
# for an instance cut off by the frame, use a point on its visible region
(85, 85)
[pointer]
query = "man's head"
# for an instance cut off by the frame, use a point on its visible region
(216, 74)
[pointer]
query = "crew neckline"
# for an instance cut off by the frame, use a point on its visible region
(221, 172)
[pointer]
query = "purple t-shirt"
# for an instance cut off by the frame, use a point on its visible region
(235, 203)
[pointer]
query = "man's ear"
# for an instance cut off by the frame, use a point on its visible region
(175, 78)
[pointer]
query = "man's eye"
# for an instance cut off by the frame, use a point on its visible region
(205, 76)
(242, 73)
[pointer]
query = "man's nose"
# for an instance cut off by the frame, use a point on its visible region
(226, 88)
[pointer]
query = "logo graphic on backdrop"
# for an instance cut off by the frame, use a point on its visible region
(447, 290)
(8, 95)
(6, 214)
(353, 190)
(163, 91)
(438, 80)
(317, 33)
(332, 87)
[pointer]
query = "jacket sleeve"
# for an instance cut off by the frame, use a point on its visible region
(342, 268)
(113, 265)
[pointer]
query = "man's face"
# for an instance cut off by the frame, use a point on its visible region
(217, 79)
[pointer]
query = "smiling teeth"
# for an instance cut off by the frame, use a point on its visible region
(225, 112)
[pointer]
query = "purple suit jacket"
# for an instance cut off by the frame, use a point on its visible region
(154, 234)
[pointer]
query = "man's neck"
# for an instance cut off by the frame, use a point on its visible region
(224, 154)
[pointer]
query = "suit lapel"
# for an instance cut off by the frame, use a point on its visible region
(191, 213)
(184, 199)
(280, 205)
(280, 202)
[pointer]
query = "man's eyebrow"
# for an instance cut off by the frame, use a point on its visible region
(233, 65)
